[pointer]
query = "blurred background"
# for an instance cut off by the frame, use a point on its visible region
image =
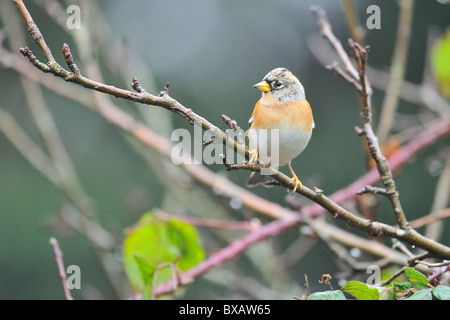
(211, 53)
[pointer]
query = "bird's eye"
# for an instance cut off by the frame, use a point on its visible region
(278, 84)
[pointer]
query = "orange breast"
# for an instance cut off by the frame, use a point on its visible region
(292, 115)
(294, 122)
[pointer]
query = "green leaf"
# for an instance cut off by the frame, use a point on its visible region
(417, 279)
(441, 292)
(401, 286)
(400, 289)
(153, 241)
(327, 295)
(361, 291)
(423, 294)
(147, 270)
(440, 63)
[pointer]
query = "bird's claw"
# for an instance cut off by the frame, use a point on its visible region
(253, 156)
(297, 183)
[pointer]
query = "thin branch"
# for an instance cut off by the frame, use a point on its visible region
(374, 190)
(398, 245)
(356, 31)
(365, 92)
(252, 225)
(306, 285)
(61, 269)
(396, 274)
(137, 86)
(397, 69)
(327, 32)
(334, 67)
(245, 166)
(420, 94)
(434, 265)
(431, 218)
(27, 147)
(35, 33)
(41, 162)
(441, 200)
(426, 138)
(174, 273)
(443, 268)
(411, 262)
(350, 240)
(232, 124)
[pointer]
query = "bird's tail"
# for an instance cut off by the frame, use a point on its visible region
(256, 178)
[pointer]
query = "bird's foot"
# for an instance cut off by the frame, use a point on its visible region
(253, 156)
(297, 183)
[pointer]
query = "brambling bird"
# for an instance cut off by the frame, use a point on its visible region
(283, 106)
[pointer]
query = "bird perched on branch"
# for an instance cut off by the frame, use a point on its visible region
(282, 121)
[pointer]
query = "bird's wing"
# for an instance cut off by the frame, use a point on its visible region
(250, 121)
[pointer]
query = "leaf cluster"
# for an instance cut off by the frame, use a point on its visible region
(416, 288)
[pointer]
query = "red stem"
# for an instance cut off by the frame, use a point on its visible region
(425, 139)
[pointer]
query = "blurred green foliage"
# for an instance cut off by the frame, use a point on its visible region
(154, 241)
(441, 64)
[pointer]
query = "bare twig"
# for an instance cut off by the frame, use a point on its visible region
(420, 94)
(136, 86)
(374, 190)
(392, 277)
(334, 67)
(175, 277)
(252, 225)
(411, 262)
(29, 150)
(431, 218)
(361, 53)
(327, 32)
(306, 285)
(443, 268)
(434, 265)
(356, 31)
(441, 200)
(372, 247)
(232, 124)
(61, 269)
(397, 69)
